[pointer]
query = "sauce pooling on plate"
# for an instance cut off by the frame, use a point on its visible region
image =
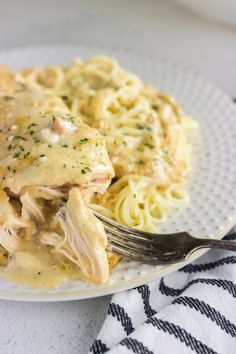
(37, 266)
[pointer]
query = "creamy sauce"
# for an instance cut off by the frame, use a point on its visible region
(38, 267)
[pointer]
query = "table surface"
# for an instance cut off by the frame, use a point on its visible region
(156, 26)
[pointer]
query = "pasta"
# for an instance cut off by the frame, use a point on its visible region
(145, 131)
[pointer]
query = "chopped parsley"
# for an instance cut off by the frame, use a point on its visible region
(65, 97)
(8, 98)
(16, 155)
(150, 146)
(42, 155)
(50, 146)
(31, 132)
(83, 141)
(65, 146)
(140, 162)
(71, 119)
(85, 170)
(31, 125)
(26, 155)
(64, 165)
(140, 126)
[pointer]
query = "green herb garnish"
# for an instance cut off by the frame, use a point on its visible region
(8, 98)
(31, 125)
(26, 155)
(16, 155)
(85, 170)
(140, 162)
(149, 145)
(71, 119)
(140, 126)
(84, 141)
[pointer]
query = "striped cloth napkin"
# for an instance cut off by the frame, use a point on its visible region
(192, 310)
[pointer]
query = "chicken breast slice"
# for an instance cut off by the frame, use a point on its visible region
(42, 144)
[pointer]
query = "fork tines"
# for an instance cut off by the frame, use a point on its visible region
(131, 243)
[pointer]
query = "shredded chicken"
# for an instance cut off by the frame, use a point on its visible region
(31, 209)
(51, 238)
(10, 222)
(47, 193)
(9, 239)
(84, 241)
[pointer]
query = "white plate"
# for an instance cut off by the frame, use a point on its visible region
(212, 210)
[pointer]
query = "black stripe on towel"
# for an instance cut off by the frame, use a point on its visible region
(224, 284)
(193, 268)
(209, 312)
(117, 311)
(230, 236)
(145, 293)
(180, 333)
(98, 347)
(136, 346)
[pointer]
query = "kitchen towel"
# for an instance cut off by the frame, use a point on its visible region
(192, 310)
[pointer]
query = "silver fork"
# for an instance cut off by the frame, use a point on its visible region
(156, 249)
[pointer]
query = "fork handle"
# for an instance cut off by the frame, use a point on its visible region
(212, 243)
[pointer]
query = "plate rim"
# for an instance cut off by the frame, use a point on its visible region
(109, 289)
